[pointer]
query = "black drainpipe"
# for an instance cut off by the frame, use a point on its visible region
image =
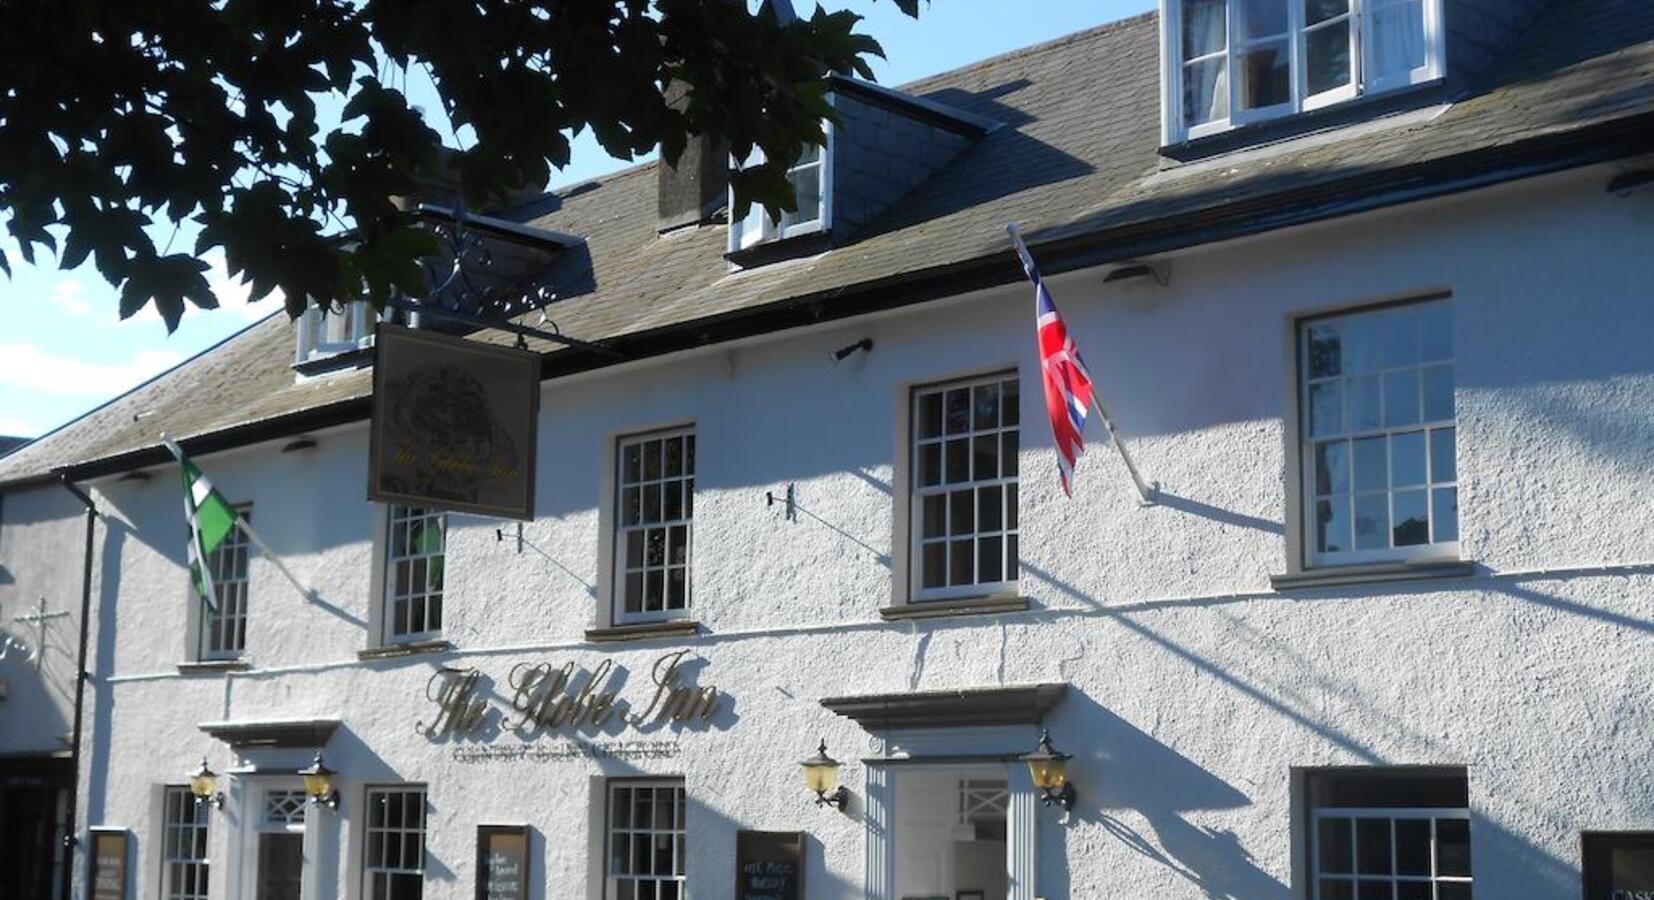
(71, 837)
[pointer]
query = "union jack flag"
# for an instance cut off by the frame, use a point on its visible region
(1067, 383)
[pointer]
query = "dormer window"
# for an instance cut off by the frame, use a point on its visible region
(324, 334)
(1235, 62)
(811, 178)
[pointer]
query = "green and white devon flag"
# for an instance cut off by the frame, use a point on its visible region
(210, 517)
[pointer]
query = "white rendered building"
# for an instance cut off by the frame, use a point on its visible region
(1380, 334)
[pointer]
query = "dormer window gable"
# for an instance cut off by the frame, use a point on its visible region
(1231, 63)
(881, 144)
(327, 333)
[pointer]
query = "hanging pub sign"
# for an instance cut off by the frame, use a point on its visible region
(453, 424)
(106, 864)
(769, 865)
(1618, 865)
(502, 862)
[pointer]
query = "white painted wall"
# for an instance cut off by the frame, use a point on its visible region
(1195, 687)
(42, 542)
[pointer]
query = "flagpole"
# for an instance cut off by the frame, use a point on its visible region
(247, 529)
(1143, 490)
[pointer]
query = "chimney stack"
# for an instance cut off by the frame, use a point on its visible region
(692, 191)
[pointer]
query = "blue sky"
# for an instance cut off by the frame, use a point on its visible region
(64, 351)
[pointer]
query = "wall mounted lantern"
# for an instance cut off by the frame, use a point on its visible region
(202, 783)
(821, 776)
(1050, 770)
(318, 783)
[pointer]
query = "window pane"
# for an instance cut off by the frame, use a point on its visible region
(1443, 456)
(1445, 510)
(1323, 351)
(989, 560)
(1372, 521)
(1361, 407)
(935, 565)
(930, 465)
(935, 511)
(1395, 40)
(930, 415)
(959, 460)
(961, 562)
(1453, 890)
(985, 459)
(1264, 72)
(1414, 890)
(1327, 57)
(674, 457)
(651, 502)
(1362, 339)
(1412, 522)
(1205, 92)
(1262, 18)
(1372, 844)
(1010, 397)
(1373, 889)
(958, 410)
(807, 185)
(1332, 467)
(1008, 452)
(988, 509)
(1010, 506)
(634, 549)
(1401, 338)
(985, 409)
(1438, 393)
(1371, 466)
(1326, 405)
(1336, 849)
(1337, 890)
(1413, 847)
(1407, 459)
(1317, 11)
(1401, 397)
(651, 460)
(1204, 27)
(961, 512)
(1453, 847)
(1436, 332)
(1332, 524)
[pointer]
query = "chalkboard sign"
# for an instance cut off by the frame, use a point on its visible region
(769, 865)
(1618, 865)
(502, 862)
(107, 864)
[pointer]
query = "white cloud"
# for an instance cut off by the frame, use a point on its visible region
(231, 293)
(66, 294)
(28, 367)
(11, 426)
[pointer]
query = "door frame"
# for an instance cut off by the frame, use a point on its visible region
(252, 824)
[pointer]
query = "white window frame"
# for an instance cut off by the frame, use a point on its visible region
(229, 567)
(379, 794)
(322, 334)
(612, 829)
(1432, 814)
(622, 568)
(741, 233)
(175, 830)
(918, 492)
(1429, 551)
(1300, 100)
(397, 515)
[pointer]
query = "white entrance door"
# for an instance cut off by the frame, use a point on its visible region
(273, 841)
(951, 832)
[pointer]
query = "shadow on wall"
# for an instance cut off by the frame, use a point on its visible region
(98, 760)
(1143, 776)
(1146, 777)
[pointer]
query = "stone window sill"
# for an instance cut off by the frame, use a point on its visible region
(213, 666)
(644, 631)
(971, 606)
(413, 648)
(1372, 574)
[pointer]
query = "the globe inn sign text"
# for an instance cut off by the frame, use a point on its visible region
(545, 698)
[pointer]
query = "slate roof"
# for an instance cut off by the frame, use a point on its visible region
(1077, 165)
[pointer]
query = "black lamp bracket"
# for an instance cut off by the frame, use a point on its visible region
(839, 798)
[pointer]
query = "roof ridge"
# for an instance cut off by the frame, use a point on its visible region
(1048, 44)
